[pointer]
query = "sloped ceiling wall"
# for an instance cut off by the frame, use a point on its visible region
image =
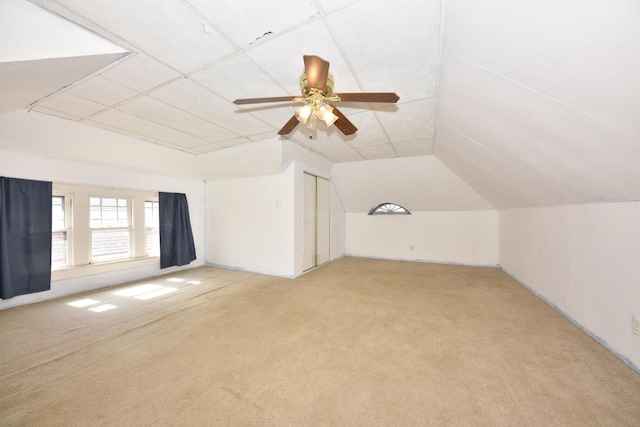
(41, 52)
(539, 101)
(420, 183)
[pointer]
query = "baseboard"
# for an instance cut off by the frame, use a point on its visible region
(426, 261)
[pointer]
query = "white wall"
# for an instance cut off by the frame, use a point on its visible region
(584, 260)
(336, 225)
(250, 223)
(450, 221)
(421, 183)
(469, 238)
(19, 165)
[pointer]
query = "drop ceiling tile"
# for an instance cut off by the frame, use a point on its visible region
(103, 90)
(274, 114)
(239, 77)
(72, 104)
(161, 113)
(417, 147)
(190, 96)
(244, 124)
(264, 20)
(261, 136)
(207, 148)
(287, 65)
(193, 98)
(167, 29)
(158, 133)
(234, 142)
(41, 109)
(408, 121)
(385, 151)
(322, 141)
(140, 72)
(369, 132)
(344, 156)
(392, 48)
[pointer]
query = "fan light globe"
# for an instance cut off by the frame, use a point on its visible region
(303, 113)
(325, 113)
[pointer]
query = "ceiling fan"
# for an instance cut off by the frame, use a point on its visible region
(316, 85)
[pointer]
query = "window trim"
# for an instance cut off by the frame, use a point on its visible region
(147, 227)
(68, 199)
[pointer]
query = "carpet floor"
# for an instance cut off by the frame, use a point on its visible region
(357, 342)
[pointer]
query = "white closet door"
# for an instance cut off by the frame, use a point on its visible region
(322, 219)
(309, 228)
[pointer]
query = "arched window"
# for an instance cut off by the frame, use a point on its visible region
(388, 208)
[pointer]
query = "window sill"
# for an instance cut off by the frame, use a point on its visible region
(102, 267)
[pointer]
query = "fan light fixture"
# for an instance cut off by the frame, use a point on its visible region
(315, 108)
(309, 113)
(316, 85)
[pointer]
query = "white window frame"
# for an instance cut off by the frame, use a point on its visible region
(79, 243)
(128, 227)
(68, 200)
(156, 227)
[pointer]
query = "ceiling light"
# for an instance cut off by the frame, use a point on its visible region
(303, 113)
(325, 113)
(311, 123)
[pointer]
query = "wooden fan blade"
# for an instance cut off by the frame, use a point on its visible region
(344, 124)
(317, 70)
(261, 100)
(369, 97)
(291, 125)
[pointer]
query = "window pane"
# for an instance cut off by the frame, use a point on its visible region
(151, 218)
(108, 212)
(59, 249)
(109, 244)
(153, 242)
(58, 213)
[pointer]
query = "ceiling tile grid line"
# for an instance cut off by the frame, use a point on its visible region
(139, 136)
(159, 122)
(192, 115)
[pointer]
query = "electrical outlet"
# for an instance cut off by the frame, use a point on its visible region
(636, 324)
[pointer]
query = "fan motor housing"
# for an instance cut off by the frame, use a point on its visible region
(304, 84)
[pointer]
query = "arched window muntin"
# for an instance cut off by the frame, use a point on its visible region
(389, 208)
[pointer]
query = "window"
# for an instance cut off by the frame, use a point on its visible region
(152, 226)
(389, 209)
(110, 223)
(100, 229)
(60, 231)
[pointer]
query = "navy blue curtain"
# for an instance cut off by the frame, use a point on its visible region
(176, 237)
(25, 236)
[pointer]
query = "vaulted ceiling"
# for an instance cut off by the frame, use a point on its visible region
(531, 103)
(190, 59)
